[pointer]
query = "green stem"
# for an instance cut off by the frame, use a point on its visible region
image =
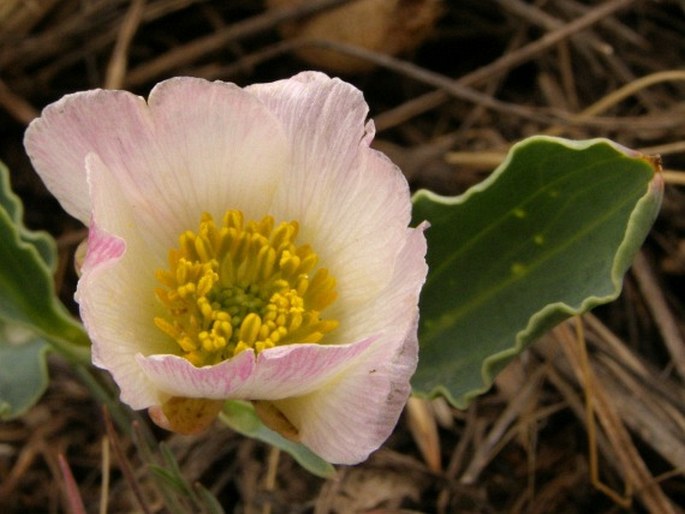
(106, 396)
(78, 355)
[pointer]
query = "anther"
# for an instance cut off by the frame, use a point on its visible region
(242, 286)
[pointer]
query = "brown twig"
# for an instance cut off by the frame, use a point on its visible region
(116, 70)
(424, 430)
(647, 413)
(185, 54)
(19, 109)
(492, 443)
(433, 99)
(636, 473)
(124, 463)
(51, 42)
(656, 302)
(104, 488)
(584, 43)
(270, 478)
(71, 490)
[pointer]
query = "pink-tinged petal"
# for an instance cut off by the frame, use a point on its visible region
(393, 314)
(351, 202)
(102, 247)
(347, 419)
(116, 289)
(222, 149)
(102, 122)
(198, 146)
(176, 376)
(277, 373)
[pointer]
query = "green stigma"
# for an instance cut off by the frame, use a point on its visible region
(242, 285)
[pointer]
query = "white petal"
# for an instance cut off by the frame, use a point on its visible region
(401, 295)
(222, 149)
(352, 203)
(116, 289)
(349, 418)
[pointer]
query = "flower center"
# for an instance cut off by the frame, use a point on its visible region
(242, 285)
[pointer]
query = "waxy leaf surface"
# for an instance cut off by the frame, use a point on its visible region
(548, 235)
(23, 370)
(27, 261)
(30, 313)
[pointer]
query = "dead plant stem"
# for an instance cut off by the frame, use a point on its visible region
(116, 70)
(188, 53)
(433, 99)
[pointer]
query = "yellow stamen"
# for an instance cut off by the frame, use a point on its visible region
(242, 285)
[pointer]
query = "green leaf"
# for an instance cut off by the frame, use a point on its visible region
(241, 417)
(27, 261)
(209, 502)
(169, 477)
(549, 235)
(23, 370)
(11, 204)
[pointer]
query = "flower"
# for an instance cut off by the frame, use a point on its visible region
(243, 244)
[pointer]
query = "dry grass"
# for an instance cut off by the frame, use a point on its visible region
(589, 420)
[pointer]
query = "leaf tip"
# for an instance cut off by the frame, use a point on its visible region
(657, 184)
(657, 165)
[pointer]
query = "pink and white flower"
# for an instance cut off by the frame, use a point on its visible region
(290, 156)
